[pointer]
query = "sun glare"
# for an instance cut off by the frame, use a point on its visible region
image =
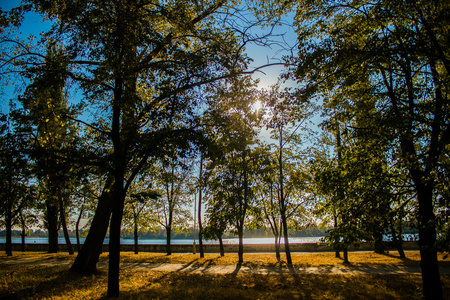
(257, 105)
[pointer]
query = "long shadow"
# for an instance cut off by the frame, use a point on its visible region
(188, 265)
(404, 259)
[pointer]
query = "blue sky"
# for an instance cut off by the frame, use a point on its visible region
(34, 25)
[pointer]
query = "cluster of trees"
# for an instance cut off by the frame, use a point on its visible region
(381, 70)
(131, 107)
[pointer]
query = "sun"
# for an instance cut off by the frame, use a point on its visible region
(257, 105)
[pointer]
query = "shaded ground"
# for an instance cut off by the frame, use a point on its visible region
(186, 276)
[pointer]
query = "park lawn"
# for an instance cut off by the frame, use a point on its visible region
(37, 281)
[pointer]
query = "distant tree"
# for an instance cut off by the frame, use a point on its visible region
(174, 185)
(27, 218)
(139, 206)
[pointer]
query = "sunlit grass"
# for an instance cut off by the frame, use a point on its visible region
(269, 259)
(22, 281)
(366, 258)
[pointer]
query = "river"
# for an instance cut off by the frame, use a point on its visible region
(297, 240)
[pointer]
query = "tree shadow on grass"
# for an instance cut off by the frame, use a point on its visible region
(403, 259)
(176, 285)
(61, 281)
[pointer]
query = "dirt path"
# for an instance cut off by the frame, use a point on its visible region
(238, 269)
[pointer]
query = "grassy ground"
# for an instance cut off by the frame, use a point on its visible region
(41, 282)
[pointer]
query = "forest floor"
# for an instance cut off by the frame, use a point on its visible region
(158, 276)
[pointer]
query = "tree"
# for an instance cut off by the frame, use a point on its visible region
(268, 198)
(233, 157)
(173, 183)
(283, 115)
(16, 192)
(200, 190)
(43, 115)
(138, 209)
(396, 51)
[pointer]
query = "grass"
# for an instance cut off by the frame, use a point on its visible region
(24, 281)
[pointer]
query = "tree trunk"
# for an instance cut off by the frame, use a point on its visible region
(432, 287)
(77, 229)
(200, 229)
(52, 226)
(222, 251)
(241, 244)
(397, 241)
(64, 225)
(168, 236)
(8, 245)
(337, 253)
(287, 248)
(87, 258)
(277, 248)
(136, 239)
(23, 233)
(345, 251)
(378, 243)
(114, 239)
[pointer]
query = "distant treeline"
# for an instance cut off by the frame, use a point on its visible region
(161, 233)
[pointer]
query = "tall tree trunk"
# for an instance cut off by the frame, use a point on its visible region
(8, 244)
(52, 226)
(136, 238)
(87, 258)
(168, 236)
(200, 229)
(63, 223)
(287, 248)
(222, 251)
(241, 243)
(432, 287)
